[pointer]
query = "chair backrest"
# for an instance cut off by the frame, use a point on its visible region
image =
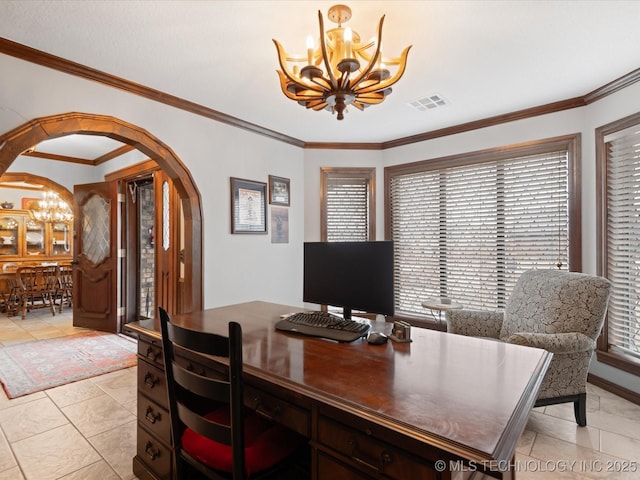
(28, 278)
(49, 276)
(183, 383)
(38, 279)
(65, 274)
(554, 301)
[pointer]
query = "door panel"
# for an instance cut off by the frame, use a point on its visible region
(168, 226)
(95, 254)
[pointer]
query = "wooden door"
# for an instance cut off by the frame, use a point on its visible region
(95, 257)
(169, 279)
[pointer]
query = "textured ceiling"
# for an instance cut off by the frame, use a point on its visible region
(486, 58)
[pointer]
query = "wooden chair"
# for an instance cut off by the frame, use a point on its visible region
(11, 291)
(226, 442)
(38, 287)
(65, 285)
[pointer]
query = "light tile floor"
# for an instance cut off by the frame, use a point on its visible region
(81, 431)
(87, 430)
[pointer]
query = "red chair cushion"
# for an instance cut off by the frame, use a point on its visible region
(266, 443)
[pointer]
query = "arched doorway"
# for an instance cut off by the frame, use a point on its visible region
(32, 178)
(13, 143)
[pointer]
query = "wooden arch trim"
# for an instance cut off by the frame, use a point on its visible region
(16, 141)
(47, 183)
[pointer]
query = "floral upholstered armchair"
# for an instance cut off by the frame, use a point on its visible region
(561, 312)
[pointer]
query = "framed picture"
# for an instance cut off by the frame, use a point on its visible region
(279, 191)
(279, 225)
(30, 203)
(248, 206)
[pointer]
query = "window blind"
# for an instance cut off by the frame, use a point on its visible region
(468, 232)
(347, 201)
(623, 241)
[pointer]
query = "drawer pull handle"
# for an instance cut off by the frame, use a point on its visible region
(152, 354)
(150, 381)
(385, 457)
(150, 416)
(263, 412)
(151, 452)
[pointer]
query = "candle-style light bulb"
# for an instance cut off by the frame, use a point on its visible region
(348, 38)
(310, 49)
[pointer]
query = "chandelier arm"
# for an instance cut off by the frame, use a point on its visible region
(290, 77)
(364, 47)
(388, 61)
(389, 81)
(344, 80)
(290, 95)
(372, 100)
(325, 57)
(317, 105)
(306, 97)
(393, 60)
(372, 63)
(323, 83)
(285, 81)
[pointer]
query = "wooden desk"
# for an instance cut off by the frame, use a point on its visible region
(391, 411)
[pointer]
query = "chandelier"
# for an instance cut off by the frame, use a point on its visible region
(342, 71)
(52, 209)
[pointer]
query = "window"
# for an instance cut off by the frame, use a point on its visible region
(618, 167)
(466, 227)
(348, 204)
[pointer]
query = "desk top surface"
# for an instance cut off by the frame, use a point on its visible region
(468, 396)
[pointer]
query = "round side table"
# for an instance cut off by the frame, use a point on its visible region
(438, 305)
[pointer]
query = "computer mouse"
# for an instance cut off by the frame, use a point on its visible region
(377, 338)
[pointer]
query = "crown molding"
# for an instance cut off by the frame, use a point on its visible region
(612, 87)
(44, 59)
(59, 158)
(488, 122)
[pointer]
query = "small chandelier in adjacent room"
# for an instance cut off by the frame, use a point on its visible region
(52, 209)
(342, 71)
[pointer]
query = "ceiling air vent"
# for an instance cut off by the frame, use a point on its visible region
(428, 103)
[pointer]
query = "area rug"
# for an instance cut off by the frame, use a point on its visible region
(34, 366)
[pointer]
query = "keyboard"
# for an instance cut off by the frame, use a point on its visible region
(324, 325)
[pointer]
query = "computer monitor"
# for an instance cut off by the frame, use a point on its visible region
(351, 275)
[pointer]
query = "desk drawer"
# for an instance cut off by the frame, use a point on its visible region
(278, 410)
(330, 469)
(152, 383)
(151, 351)
(155, 455)
(154, 418)
(370, 455)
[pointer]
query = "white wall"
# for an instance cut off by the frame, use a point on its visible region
(236, 267)
(314, 160)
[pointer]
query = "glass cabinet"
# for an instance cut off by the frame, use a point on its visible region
(24, 239)
(9, 228)
(60, 239)
(34, 238)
